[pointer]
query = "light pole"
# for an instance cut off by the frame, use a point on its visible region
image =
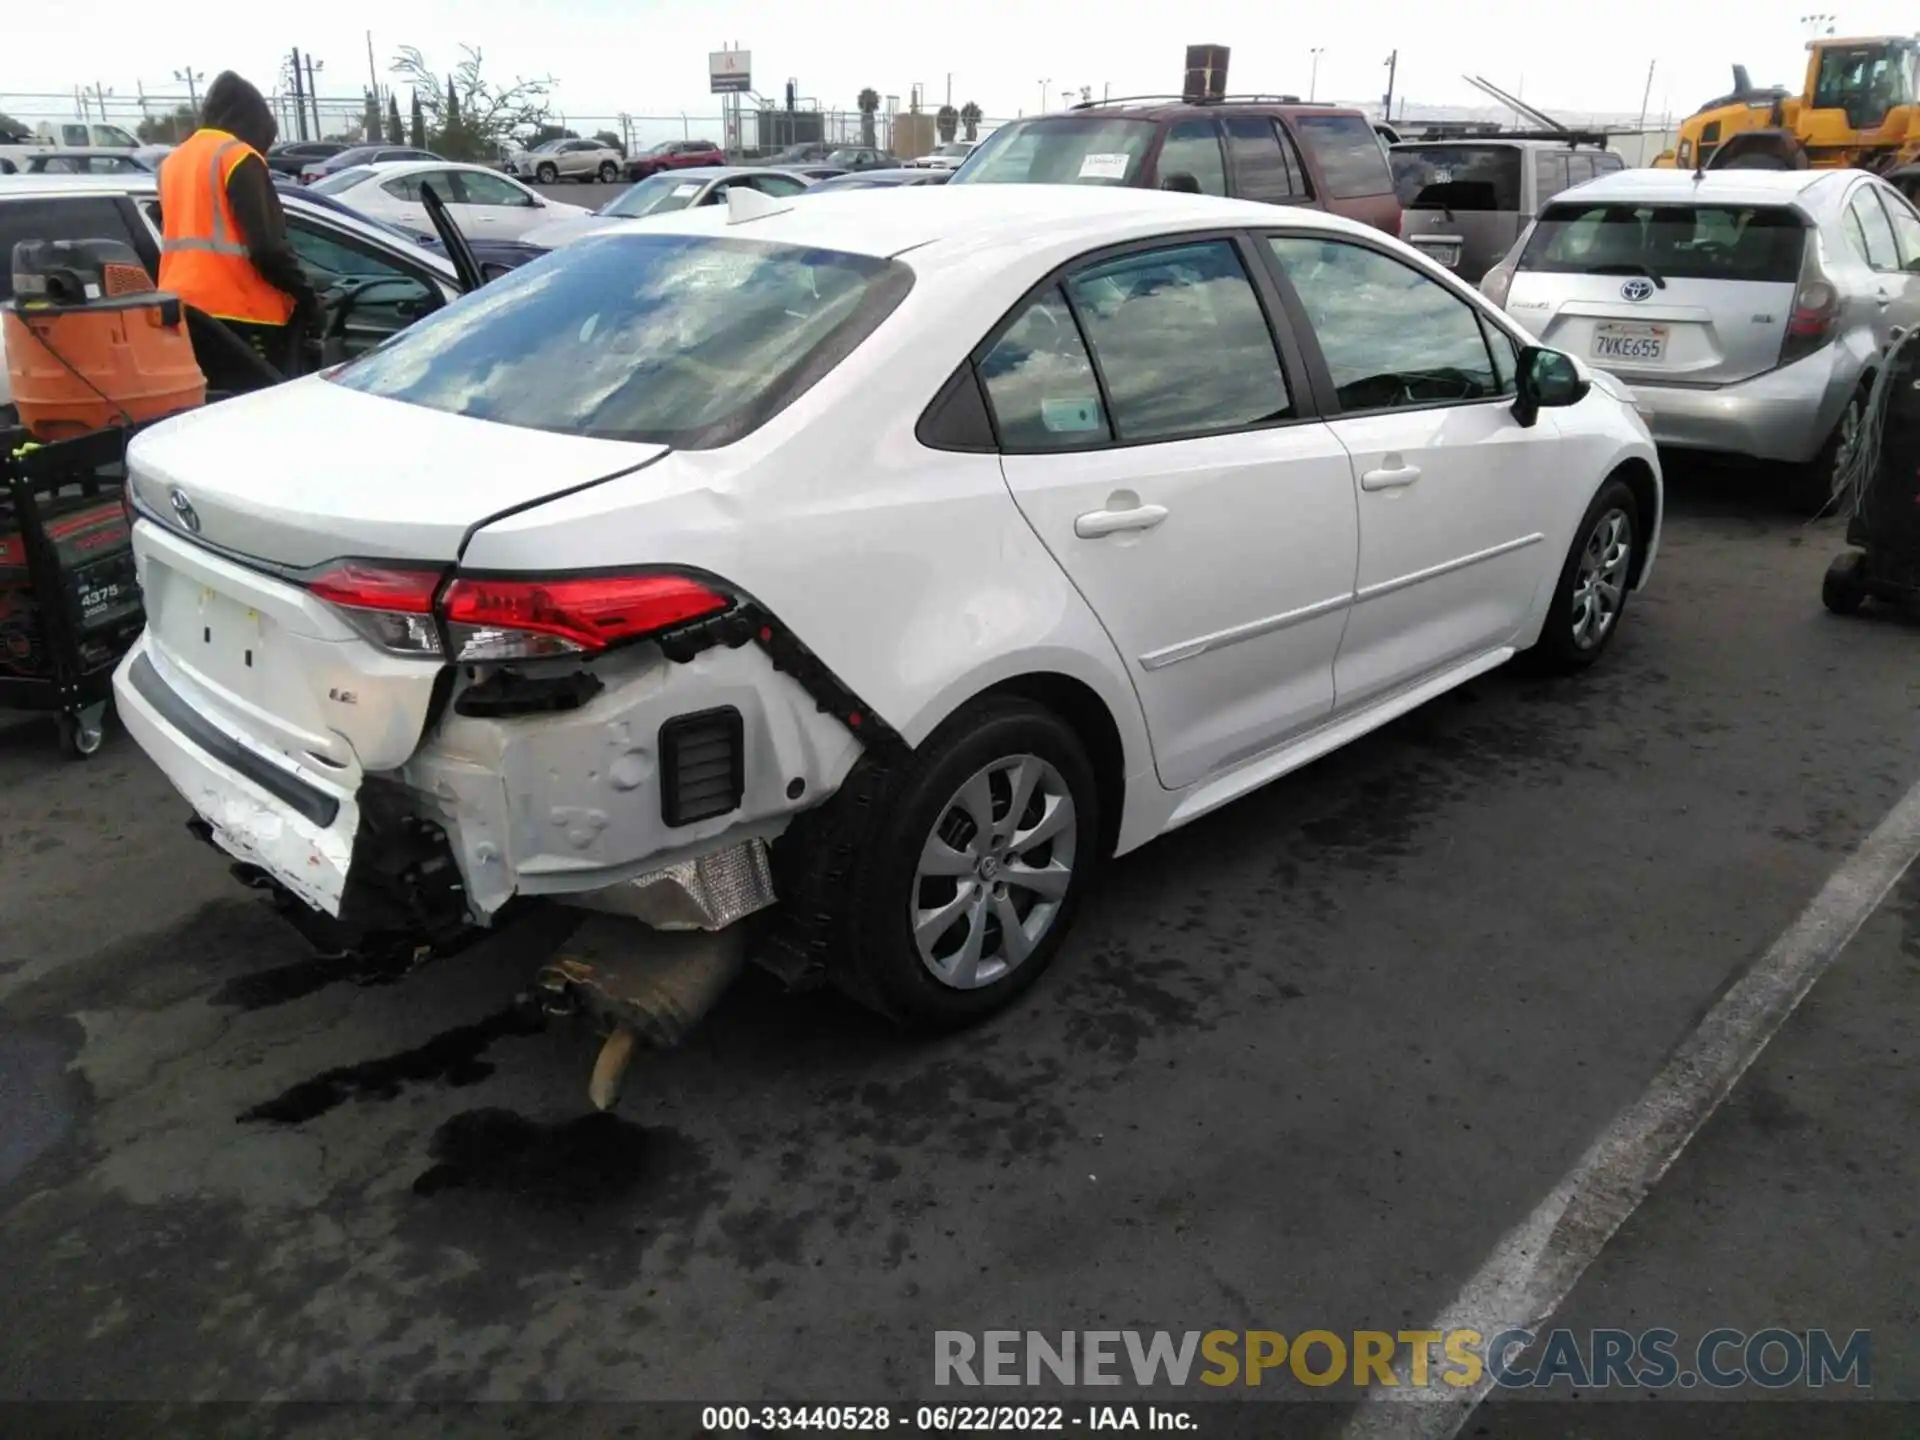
(313, 92)
(191, 78)
(1821, 24)
(1043, 95)
(1313, 78)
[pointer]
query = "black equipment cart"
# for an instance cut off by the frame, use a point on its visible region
(1885, 487)
(69, 599)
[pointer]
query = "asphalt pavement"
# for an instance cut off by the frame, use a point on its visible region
(1301, 1067)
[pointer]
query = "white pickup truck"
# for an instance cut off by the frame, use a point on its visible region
(64, 135)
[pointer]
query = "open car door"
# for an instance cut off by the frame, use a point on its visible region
(458, 251)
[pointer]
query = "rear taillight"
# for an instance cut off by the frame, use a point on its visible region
(392, 608)
(1814, 319)
(509, 617)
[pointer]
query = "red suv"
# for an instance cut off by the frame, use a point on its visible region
(1273, 148)
(674, 155)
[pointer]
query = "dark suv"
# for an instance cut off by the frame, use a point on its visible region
(1272, 148)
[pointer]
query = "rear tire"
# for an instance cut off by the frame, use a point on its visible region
(609, 172)
(1816, 487)
(919, 911)
(1590, 598)
(1844, 590)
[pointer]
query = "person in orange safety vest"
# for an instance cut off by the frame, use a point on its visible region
(224, 243)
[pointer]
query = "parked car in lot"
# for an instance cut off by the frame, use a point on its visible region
(582, 160)
(942, 545)
(674, 155)
(373, 279)
(83, 162)
(292, 157)
(313, 171)
(1283, 153)
(794, 155)
(662, 194)
(813, 174)
(945, 157)
(484, 203)
(861, 157)
(494, 256)
(880, 180)
(1466, 201)
(1748, 309)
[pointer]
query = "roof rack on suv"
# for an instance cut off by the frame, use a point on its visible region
(1413, 132)
(1204, 100)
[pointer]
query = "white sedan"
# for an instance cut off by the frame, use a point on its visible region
(484, 203)
(886, 561)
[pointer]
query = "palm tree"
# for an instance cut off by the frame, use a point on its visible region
(949, 121)
(869, 103)
(970, 117)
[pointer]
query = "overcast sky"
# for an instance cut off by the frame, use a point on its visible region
(651, 58)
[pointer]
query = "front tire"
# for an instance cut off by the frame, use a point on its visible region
(1844, 589)
(1591, 596)
(942, 890)
(548, 173)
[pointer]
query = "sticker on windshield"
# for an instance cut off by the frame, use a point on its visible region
(688, 189)
(1070, 417)
(1104, 167)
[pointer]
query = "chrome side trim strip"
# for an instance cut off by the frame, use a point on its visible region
(1221, 639)
(1434, 572)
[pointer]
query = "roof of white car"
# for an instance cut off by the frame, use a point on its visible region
(123, 183)
(891, 221)
(1722, 187)
(406, 167)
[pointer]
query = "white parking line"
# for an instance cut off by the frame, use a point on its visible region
(1537, 1263)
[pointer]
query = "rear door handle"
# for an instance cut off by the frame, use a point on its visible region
(1390, 479)
(1883, 298)
(1096, 523)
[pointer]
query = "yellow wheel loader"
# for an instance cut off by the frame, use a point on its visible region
(1856, 109)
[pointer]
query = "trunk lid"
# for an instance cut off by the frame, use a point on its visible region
(1678, 294)
(368, 477)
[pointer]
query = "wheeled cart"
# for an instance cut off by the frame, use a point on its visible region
(69, 598)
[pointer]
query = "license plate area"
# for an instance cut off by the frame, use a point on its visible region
(1441, 252)
(223, 640)
(1637, 343)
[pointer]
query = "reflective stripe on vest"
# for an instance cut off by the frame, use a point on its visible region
(221, 243)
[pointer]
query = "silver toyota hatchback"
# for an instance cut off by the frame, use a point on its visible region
(1748, 309)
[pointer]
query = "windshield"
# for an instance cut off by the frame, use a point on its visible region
(1669, 242)
(655, 195)
(1457, 177)
(954, 147)
(844, 157)
(547, 147)
(676, 339)
(665, 147)
(340, 180)
(1065, 150)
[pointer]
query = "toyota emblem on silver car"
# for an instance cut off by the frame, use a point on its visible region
(1636, 290)
(183, 509)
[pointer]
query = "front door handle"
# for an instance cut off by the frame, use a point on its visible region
(1096, 523)
(1883, 299)
(1392, 479)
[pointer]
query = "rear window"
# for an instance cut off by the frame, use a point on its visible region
(1669, 242)
(655, 195)
(1349, 153)
(1458, 177)
(677, 339)
(1066, 150)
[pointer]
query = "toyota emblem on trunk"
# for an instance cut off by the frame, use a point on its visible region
(183, 509)
(1636, 290)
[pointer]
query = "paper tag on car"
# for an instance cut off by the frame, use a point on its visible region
(1070, 417)
(686, 189)
(1104, 167)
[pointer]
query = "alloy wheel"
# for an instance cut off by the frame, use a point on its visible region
(994, 872)
(1847, 445)
(1599, 586)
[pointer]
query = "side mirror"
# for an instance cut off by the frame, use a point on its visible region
(1547, 380)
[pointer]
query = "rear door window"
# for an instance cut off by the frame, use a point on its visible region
(1348, 152)
(1264, 165)
(1458, 177)
(1669, 242)
(88, 217)
(1882, 251)
(1579, 170)
(1040, 383)
(1180, 341)
(1192, 150)
(1550, 173)
(1906, 228)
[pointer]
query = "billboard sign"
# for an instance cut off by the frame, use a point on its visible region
(730, 71)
